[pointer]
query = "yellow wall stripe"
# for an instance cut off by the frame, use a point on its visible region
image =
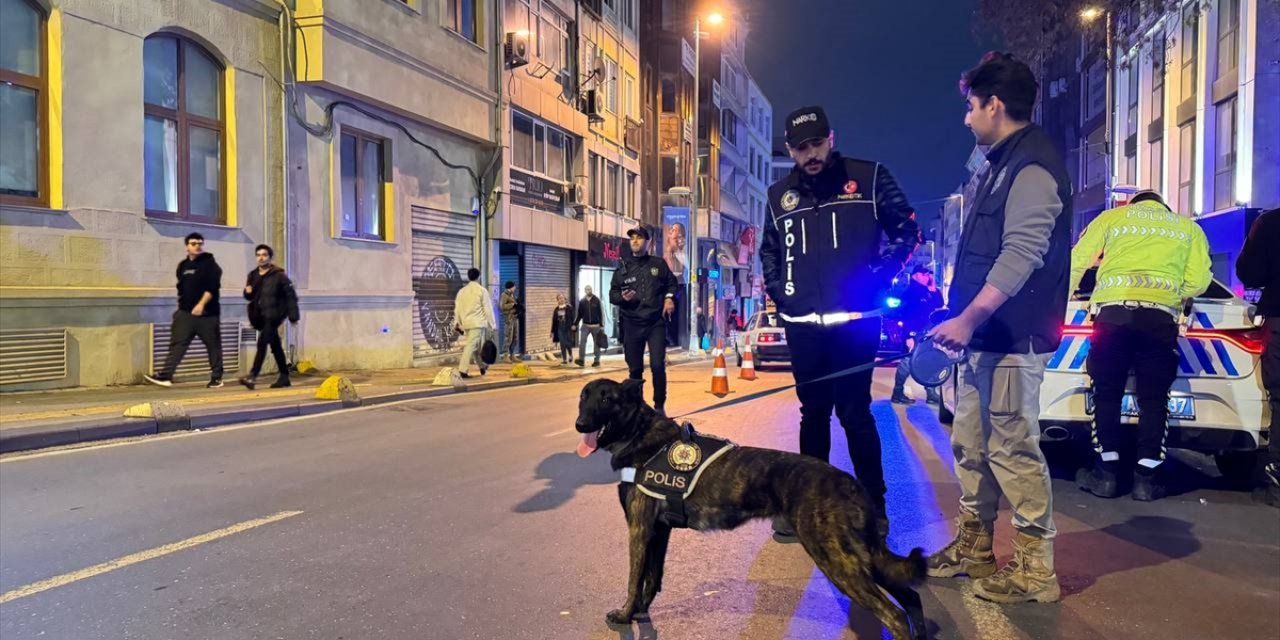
(54, 30)
(230, 159)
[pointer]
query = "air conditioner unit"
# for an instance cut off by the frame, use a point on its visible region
(578, 195)
(591, 105)
(516, 49)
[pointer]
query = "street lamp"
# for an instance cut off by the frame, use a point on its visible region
(714, 19)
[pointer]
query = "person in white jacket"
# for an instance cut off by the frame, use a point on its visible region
(473, 309)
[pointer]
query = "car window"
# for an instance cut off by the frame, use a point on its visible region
(755, 321)
(1215, 292)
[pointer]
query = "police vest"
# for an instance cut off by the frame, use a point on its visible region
(1033, 318)
(672, 474)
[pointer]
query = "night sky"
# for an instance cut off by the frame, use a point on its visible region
(886, 73)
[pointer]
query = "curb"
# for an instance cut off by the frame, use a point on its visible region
(81, 430)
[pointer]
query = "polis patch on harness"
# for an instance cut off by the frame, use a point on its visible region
(672, 474)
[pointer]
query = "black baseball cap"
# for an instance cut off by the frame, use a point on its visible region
(806, 123)
(922, 268)
(638, 231)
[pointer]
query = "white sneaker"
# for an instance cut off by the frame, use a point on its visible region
(159, 382)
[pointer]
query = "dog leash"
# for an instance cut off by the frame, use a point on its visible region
(768, 392)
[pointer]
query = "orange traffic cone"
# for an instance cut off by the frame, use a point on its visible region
(748, 370)
(719, 374)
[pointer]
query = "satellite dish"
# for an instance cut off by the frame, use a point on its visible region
(599, 70)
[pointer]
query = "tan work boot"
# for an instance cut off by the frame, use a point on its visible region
(969, 553)
(1029, 576)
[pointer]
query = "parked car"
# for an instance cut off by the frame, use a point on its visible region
(767, 339)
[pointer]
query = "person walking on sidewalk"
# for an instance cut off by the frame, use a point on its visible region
(1258, 267)
(1152, 261)
(919, 301)
(827, 273)
(199, 279)
(1007, 301)
(644, 289)
(272, 299)
(591, 316)
(702, 327)
(562, 327)
(511, 312)
(473, 308)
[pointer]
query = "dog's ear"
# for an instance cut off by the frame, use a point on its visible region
(633, 389)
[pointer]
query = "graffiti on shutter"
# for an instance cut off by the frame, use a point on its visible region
(442, 254)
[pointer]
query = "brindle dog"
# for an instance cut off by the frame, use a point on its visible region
(832, 514)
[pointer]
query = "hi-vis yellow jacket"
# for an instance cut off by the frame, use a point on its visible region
(1149, 254)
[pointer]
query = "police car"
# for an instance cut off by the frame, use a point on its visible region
(767, 339)
(1216, 405)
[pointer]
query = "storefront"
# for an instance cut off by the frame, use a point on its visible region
(540, 274)
(604, 254)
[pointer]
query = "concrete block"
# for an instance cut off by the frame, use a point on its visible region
(521, 370)
(169, 416)
(448, 377)
(307, 367)
(339, 388)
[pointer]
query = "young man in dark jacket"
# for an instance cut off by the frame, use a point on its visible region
(644, 289)
(199, 278)
(591, 318)
(825, 269)
(1258, 267)
(272, 299)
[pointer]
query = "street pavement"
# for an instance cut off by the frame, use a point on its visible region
(469, 516)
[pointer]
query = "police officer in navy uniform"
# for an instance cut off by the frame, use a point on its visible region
(828, 271)
(644, 289)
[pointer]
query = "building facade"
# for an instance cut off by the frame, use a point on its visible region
(125, 127)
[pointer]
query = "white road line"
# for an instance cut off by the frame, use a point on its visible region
(141, 556)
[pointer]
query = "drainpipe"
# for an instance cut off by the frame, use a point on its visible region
(495, 163)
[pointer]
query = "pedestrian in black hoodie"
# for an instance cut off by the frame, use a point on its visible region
(199, 278)
(272, 299)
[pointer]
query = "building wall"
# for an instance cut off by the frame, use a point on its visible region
(98, 265)
(405, 73)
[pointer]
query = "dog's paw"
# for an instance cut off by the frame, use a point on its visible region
(618, 617)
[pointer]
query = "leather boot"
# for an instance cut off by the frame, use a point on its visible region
(969, 553)
(1028, 577)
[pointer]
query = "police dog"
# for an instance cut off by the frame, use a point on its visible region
(832, 514)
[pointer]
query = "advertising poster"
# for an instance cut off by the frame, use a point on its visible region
(675, 238)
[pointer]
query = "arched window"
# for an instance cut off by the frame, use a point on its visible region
(24, 149)
(182, 91)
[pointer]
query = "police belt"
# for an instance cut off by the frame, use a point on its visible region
(1139, 304)
(672, 474)
(830, 319)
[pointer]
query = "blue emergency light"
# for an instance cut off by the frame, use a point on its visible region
(892, 303)
(713, 274)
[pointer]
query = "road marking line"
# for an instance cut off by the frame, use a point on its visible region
(988, 617)
(141, 556)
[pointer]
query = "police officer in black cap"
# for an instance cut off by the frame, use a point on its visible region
(828, 271)
(644, 290)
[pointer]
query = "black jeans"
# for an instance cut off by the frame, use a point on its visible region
(565, 337)
(269, 336)
(817, 351)
(186, 328)
(1271, 382)
(1145, 341)
(634, 339)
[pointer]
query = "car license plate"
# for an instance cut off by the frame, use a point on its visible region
(1180, 407)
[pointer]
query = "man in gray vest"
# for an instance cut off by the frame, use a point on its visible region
(1008, 299)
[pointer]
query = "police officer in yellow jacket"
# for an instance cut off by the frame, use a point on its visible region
(1152, 261)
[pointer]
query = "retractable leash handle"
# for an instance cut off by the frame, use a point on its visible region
(931, 365)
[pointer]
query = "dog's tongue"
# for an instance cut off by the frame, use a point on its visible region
(588, 444)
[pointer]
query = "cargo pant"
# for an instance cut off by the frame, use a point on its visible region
(996, 440)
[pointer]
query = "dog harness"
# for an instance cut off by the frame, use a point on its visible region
(672, 474)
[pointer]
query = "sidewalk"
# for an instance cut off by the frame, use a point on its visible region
(39, 419)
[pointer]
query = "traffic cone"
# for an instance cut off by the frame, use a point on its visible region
(748, 370)
(719, 374)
